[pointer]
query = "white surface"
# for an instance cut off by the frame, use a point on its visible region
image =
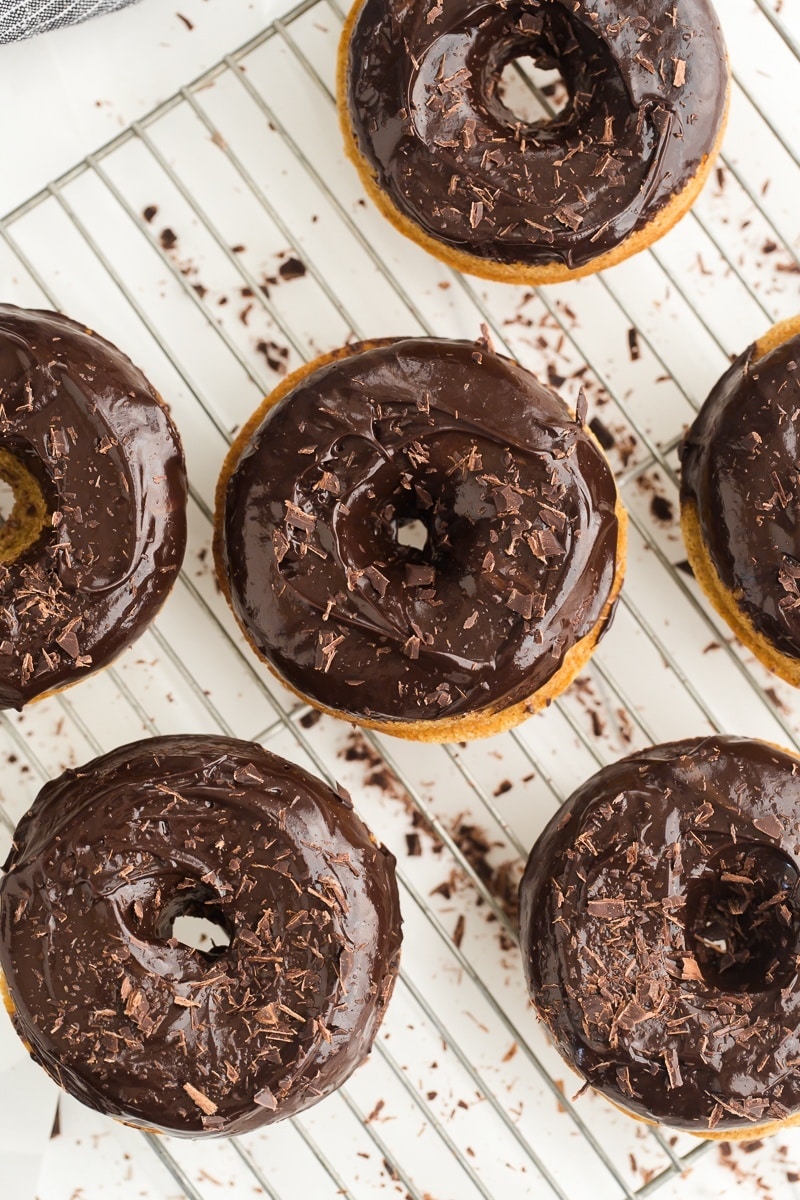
(69, 92)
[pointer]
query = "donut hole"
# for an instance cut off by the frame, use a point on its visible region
(24, 512)
(742, 919)
(208, 936)
(196, 920)
(6, 501)
(434, 538)
(532, 88)
(412, 532)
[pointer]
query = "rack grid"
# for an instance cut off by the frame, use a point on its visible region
(222, 240)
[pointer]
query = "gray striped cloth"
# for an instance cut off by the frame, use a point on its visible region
(23, 18)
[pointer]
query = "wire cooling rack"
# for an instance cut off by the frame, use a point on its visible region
(221, 241)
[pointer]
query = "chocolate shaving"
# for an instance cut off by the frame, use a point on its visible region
(248, 774)
(608, 138)
(69, 644)
(632, 1015)
(265, 1099)
(419, 576)
(603, 434)
(299, 519)
(506, 500)
(280, 544)
(327, 645)
(329, 483)
(377, 579)
(544, 544)
(291, 268)
(673, 1067)
(411, 647)
(554, 517)
(521, 603)
(608, 909)
(569, 217)
(769, 825)
(200, 1099)
(485, 341)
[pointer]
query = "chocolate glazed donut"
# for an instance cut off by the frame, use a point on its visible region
(456, 170)
(660, 912)
(98, 529)
(523, 533)
(137, 1025)
(740, 498)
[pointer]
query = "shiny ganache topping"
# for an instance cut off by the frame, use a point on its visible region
(136, 1024)
(660, 912)
(647, 83)
(740, 470)
(511, 496)
(86, 424)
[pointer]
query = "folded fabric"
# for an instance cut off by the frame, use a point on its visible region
(23, 18)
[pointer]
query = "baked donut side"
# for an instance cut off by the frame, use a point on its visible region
(97, 532)
(660, 912)
(728, 495)
(135, 1023)
(685, 102)
(489, 718)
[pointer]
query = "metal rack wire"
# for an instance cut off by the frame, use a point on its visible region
(242, 110)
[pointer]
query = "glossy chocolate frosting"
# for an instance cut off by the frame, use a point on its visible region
(134, 1023)
(519, 507)
(741, 471)
(659, 929)
(88, 426)
(648, 85)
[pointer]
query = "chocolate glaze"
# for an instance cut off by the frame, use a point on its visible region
(740, 470)
(517, 499)
(137, 1025)
(89, 427)
(648, 96)
(659, 927)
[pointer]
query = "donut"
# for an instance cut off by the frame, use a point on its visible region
(512, 582)
(193, 1042)
(660, 911)
(740, 498)
(458, 172)
(97, 531)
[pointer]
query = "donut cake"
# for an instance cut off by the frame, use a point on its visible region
(444, 158)
(660, 912)
(140, 1026)
(97, 531)
(522, 544)
(740, 498)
